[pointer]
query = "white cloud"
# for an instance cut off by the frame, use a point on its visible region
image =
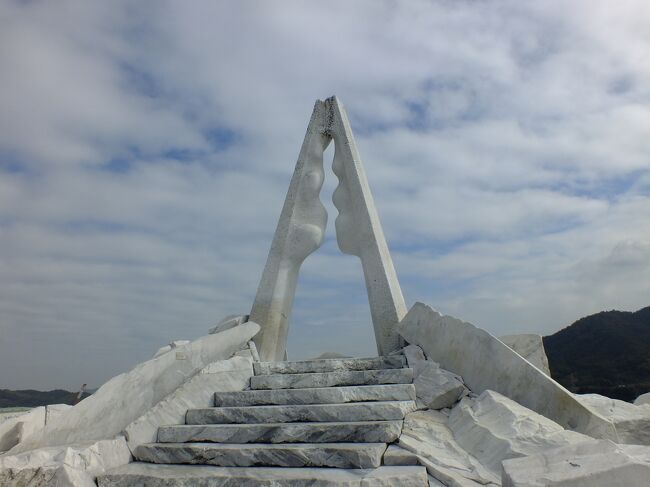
(146, 148)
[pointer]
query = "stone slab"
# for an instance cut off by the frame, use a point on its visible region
(484, 362)
(224, 375)
(330, 365)
(330, 379)
(397, 456)
(207, 476)
(592, 464)
(127, 396)
(356, 411)
(361, 431)
(319, 395)
(494, 428)
(21, 427)
(339, 455)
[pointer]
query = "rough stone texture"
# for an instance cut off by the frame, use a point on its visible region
(362, 431)
(75, 465)
(330, 365)
(340, 455)
(642, 399)
(21, 427)
(591, 464)
(494, 428)
(228, 322)
(128, 396)
(398, 456)
(436, 387)
(170, 347)
(329, 379)
(357, 411)
(224, 375)
(301, 228)
(321, 395)
(426, 434)
(531, 347)
(632, 421)
(485, 362)
(433, 482)
(207, 476)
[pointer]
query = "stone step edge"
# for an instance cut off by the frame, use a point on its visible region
(158, 475)
(345, 377)
(334, 364)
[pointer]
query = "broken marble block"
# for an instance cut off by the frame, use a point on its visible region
(494, 428)
(632, 422)
(598, 463)
(21, 427)
(426, 434)
(435, 388)
(170, 347)
(531, 347)
(228, 322)
(64, 466)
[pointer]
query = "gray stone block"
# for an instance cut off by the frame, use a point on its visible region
(329, 379)
(330, 365)
(362, 431)
(340, 455)
(206, 476)
(357, 411)
(322, 395)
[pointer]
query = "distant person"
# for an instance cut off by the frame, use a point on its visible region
(80, 394)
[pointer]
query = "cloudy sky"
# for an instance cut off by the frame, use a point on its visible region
(146, 148)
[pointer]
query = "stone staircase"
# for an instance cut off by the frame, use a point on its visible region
(313, 423)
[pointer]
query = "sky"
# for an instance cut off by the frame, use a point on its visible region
(146, 148)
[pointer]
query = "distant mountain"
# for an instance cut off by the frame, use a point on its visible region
(31, 398)
(607, 353)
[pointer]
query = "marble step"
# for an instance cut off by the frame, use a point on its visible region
(330, 365)
(317, 395)
(354, 411)
(360, 431)
(339, 455)
(151, 475)
(330, 379)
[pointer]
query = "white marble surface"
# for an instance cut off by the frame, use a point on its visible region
(437, 388)
(531, 347)
(642, 399)
(223, 376)
(227, 323)
(494, 428)
(632, 421)
(592, 464)
(484, 362)
(74, 465)
(426, 434)
(330, 365)
(20, 427)
(128, 396)
(329, 379)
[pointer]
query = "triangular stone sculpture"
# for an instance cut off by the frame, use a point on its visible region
(301, 229)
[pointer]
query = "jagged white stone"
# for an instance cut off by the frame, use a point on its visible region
(53, 411)
(228, 322)
(225, 375)
(592, 464)
(642, 399)
(191, 476)
(21, 427)
(396, 455)
(301, 228)
(632, 421)
(484, 362)
(169, 347)
(128, 396)
(426, 434)
(531, 347)
(65, 466)
(494, 428)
